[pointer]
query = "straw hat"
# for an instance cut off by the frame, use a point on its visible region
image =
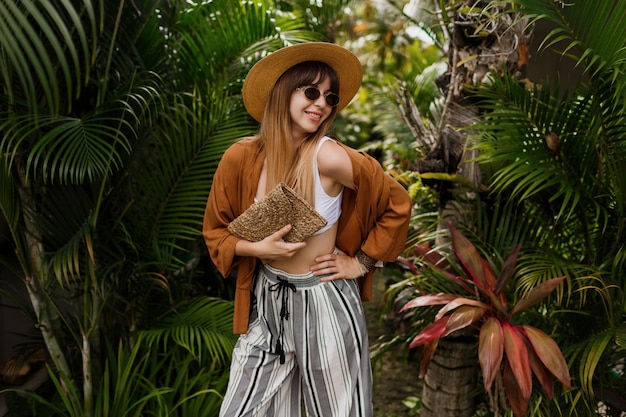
(265, 73)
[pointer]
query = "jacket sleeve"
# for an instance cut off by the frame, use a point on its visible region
(382, 208)
(222, 207)
(387, 237)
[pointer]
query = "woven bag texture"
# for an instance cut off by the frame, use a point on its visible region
(279, 207)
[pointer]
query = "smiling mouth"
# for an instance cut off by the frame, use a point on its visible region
(314, 115)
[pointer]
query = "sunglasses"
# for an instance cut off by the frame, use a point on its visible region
(313, 94)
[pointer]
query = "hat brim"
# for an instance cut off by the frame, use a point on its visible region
(264, 74)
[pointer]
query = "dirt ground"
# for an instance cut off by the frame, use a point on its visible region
(396, 382)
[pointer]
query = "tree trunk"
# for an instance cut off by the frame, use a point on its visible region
(450, 382)
(34, 279)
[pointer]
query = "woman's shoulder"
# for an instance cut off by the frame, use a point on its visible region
(333, 161)
(335, 151)
(331, 151)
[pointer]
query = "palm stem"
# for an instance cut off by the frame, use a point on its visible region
(34, 277)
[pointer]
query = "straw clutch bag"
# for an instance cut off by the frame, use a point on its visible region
(280, 207)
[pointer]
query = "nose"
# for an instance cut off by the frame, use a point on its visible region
(321, 101)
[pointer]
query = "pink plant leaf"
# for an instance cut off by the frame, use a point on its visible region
(437, 261)
(458, 302)
(517, 358)
(490, 275)
(463, 316)
(541, 372)
(432, 257)
(441, 263)
(537, 294)
(496, 302)
(468, 255)
(490, 350)
(462, 282)
(429, 300)
(427, 355)
(517, 401)
(549, 353)
(431, 332)
(407, 264)
(506, 272)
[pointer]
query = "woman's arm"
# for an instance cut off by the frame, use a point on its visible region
(272, 248)
(232, 191)
(376, 214)
(336, 172)
(335, 167)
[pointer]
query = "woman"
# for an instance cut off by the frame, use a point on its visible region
(298, 304)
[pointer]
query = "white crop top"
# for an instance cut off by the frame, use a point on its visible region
(329, 207)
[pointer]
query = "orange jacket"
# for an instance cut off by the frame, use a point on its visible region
(374, 218)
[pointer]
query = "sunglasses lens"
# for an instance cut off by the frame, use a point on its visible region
(312, 93)
(332, 99)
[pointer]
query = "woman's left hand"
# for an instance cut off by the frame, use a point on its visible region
(336, 265)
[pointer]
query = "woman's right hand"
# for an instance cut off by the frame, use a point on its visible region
(272, 248)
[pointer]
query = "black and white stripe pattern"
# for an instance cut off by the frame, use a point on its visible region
(326, 352)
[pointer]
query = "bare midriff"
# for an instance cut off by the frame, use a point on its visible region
(316, 245)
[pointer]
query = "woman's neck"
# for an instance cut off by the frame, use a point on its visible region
(297, 142)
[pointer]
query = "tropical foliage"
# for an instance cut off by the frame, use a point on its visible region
(482, 301)
(173, 369)
(113, 116)
(574, 193)
(552, 152)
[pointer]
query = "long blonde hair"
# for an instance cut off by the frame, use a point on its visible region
(283, 164)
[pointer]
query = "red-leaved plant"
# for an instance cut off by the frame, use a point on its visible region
(512, 351)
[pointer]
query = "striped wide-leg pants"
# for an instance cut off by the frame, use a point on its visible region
(306, 339)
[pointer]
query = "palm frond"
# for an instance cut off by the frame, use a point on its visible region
(195, 390)
(587, 30)
(68, 228)
(202, 328)
(41, 54)
(611, 145)
(79, 149)
(69, 149)
(215, 44)
(320, 16)
(500, 224)
(184, 151)
(620, 336)
(592, 355)
(538, 265)
(514, 145)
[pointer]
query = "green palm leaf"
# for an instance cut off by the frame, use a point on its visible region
(68, 227)
(587, 30)
(216, 44)
(572, 178)
(42, 53)
(184, 151)
(202, 327)
(321, 17)
(73, 149)
(592, 356)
